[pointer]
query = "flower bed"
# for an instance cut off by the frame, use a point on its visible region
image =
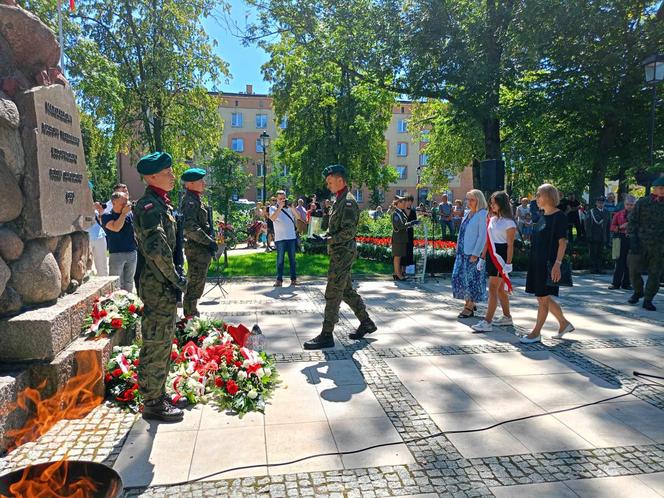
(210, 362)
(118, 310)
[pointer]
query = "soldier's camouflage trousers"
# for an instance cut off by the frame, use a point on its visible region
(340, 287)
(650, 260)
(198, 261)
(158, 330)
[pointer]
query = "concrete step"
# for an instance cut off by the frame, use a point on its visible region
(42, 333)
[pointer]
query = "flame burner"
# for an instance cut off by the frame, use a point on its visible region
(65, 478)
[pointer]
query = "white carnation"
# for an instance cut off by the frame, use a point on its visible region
(241, 375)
(252, 394)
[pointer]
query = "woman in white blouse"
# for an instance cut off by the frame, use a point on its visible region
(498, 252)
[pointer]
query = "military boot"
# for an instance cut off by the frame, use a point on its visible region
(320, 341)
(634, 298)
(162, 409)
(366, 327)
(647, 304)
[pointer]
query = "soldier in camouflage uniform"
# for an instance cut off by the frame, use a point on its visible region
(344, 217)
(200, 245)
(645, 230)
(155, 229)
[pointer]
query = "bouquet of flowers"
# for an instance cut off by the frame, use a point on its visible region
(118, 310)
(214, 364)
(121, 377)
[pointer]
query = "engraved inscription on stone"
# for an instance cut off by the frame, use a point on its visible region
(58, 199)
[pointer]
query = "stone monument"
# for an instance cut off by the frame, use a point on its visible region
(45, 207)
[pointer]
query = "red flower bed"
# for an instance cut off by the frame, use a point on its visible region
(387, 242)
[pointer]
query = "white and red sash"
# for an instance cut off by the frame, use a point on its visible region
(497, 259)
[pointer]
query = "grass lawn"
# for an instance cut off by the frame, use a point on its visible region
(265, 264)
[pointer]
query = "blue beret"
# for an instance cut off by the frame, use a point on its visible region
(334, 168)
(154, 163)
(659, 182)
(193, 174)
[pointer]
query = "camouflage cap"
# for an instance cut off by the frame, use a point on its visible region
(154, 163)
(334, 168)
(193, 174)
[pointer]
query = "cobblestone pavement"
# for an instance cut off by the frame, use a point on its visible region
(442, 463)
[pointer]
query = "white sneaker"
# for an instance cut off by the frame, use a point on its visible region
(482, 326)
(505, 321)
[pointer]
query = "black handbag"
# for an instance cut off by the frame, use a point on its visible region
(565, 270)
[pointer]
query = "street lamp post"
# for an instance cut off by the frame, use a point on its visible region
(265, 143)
(419, 173)
(654, 73)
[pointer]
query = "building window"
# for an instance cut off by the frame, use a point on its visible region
(259, 145)
(402, 149)
(237, 144)
(424, 159)
(260, 170)
(259, 194)
(402, 192)
(236, 120)
(359, 196)
(402, 171)
(261, 120)
(424, 193)
(284, 170)
(402, 126)
(284, 123)
(425, 136)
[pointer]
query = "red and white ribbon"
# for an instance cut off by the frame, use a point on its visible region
(498, 260)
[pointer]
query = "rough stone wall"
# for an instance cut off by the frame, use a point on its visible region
(33, 271)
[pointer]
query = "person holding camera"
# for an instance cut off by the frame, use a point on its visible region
(155, 230)
(283, 217)
(122, 249)
(199, 246)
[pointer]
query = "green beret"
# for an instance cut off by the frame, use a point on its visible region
(193, 174)
(659, 182)
(154, 163)
(334, 168)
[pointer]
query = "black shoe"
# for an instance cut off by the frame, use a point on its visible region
(628, 287)
(162, 409)
(366, 327)
(319, 342)
(614, 287)
(647, 304)
(635, 298)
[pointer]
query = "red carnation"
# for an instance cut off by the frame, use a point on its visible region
(103, 313)
(108, 378)
(231, 387)
(116, 373)
(238, 364)
(174, 355)
(132, 308)
(136, 362)
(218, 381)
(116, 323)
(175, 341)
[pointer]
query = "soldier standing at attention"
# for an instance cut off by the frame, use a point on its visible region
(200, 245)
(344, 217)
(154, 226)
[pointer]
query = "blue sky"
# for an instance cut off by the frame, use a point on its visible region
(245, 62)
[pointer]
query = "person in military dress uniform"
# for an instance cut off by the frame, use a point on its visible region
(199, 246)
(341, 247)
(645, 230)
(155, 230)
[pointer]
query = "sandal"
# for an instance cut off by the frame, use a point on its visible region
(466, 315)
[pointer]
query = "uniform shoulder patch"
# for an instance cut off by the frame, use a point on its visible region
(148, 206)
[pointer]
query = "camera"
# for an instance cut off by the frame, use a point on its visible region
(288, 202)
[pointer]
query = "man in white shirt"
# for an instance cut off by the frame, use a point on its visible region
(284, 217)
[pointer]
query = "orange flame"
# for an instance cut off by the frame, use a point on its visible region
(53, 482)
(77, 398)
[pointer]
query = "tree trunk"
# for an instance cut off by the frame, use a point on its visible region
(606, 141)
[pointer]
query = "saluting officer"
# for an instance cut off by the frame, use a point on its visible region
(199, 245)
(341, 247)
(155, 230)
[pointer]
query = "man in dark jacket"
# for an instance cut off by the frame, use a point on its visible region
(597, 229)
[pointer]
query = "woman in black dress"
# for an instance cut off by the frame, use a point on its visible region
(411, 215)
(548, 244)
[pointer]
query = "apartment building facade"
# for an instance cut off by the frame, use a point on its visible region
(247, 115)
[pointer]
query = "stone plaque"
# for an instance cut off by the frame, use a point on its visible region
(58, 199)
